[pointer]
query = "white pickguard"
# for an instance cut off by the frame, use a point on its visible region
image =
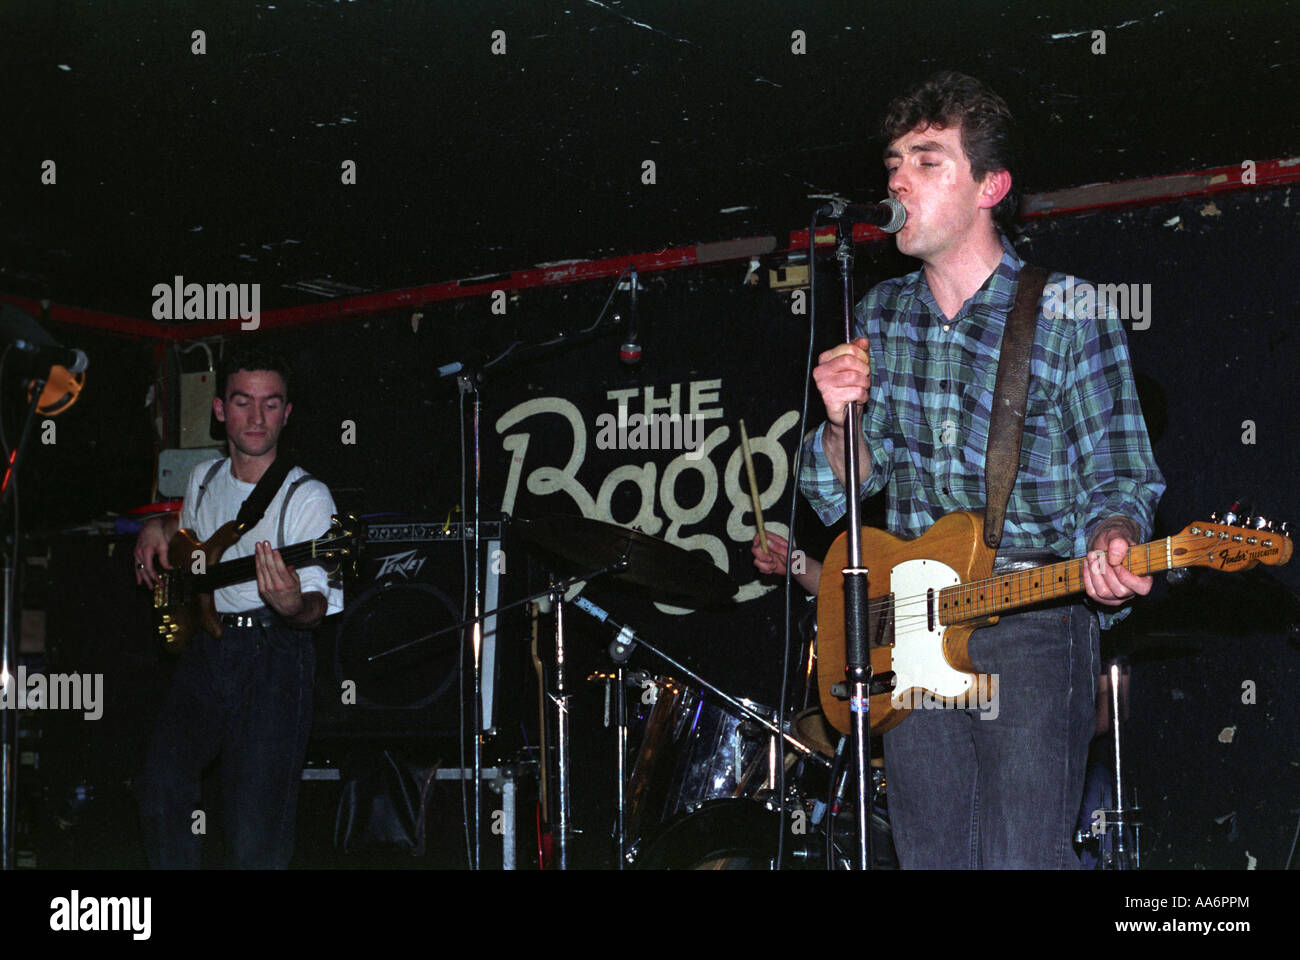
(917, 657)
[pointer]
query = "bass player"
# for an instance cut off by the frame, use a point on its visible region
(243, 699)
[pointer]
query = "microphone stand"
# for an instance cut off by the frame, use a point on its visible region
(8, 645)
(857, 661)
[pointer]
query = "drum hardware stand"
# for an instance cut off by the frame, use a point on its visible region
(1118, 821)
(620, 651)
(1109, 829)
(857, 661)
(622, 647)
(467, 383)
(555, 590)
(560, 698)
(620, 739)
(616, 685)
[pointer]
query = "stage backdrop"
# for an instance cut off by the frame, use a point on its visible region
(1217, 351)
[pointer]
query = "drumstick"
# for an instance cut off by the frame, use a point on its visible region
(753, 485)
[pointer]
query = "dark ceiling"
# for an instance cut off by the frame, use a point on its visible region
(226, 166)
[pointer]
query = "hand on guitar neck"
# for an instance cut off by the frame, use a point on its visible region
(279, 586)
(1105, 577)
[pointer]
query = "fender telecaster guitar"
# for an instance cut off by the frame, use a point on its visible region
(927, 596)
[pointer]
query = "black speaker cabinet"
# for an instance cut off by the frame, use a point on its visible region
(389, 667)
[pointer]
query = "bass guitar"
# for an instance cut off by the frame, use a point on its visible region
(182, 600)
(927, 596)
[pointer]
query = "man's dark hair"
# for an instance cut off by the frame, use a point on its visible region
(253, 356)
(988, 131)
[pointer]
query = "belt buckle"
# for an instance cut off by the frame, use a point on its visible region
(241, 620)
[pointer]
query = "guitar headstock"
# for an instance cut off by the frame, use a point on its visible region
(1229, 546)
(343, 540)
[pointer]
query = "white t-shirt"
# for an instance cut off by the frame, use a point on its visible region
(310, 510)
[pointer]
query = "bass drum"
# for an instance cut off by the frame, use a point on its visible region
(742, 835)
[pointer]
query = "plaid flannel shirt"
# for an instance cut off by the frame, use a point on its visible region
(1085, 454)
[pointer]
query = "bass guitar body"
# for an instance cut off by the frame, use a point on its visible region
(181, 607)
(182, 599)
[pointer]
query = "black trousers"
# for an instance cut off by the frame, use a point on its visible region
(245, 699)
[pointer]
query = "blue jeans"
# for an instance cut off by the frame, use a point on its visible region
(245, 698)
(972, 792)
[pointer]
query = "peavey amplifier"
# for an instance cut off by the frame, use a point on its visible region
(391, 665)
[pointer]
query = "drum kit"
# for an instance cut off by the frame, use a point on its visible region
(705, 779)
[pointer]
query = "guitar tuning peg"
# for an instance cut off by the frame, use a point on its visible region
(1261, 523)
(1285, 529)
(1214, 516)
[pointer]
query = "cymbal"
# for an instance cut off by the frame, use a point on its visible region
(666, 573)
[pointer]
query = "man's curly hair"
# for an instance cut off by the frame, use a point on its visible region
(988, 131)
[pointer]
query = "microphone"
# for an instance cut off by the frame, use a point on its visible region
(620, 650)
(471, 364)
(629, 353)
(451, 369)
(56, 356)
(889, 215)
(21, 329)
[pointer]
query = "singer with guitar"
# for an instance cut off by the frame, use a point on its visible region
(243, 697)
(1001, 791)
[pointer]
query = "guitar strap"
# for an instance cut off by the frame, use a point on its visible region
(207, 478)
(1010, 394)
(255, 506)
(284, 506)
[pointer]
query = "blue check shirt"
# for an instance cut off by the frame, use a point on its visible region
(1085, 454)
